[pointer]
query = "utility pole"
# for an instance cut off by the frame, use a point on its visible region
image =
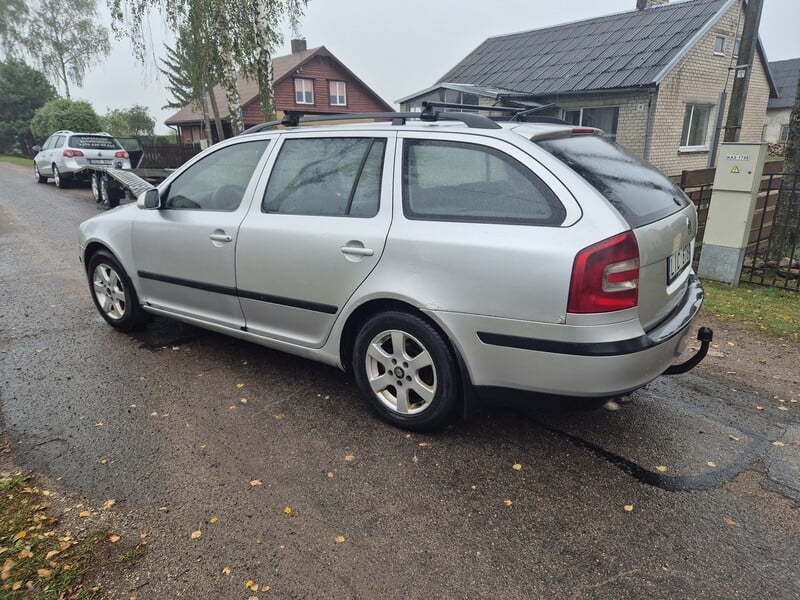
(743, 69)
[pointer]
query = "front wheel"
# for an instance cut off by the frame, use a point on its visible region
(113, 293)
(96, 188)
(39, 177)
(406, 371)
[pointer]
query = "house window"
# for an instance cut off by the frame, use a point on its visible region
(719, 45)
(338, 93)
(602, 117)
(784, 134)
(736, 45)
(695, 127)
(304, 91)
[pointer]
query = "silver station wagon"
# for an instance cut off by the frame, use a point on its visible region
(442, 257)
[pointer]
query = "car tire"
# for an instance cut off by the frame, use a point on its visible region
(95, 181)
(60, 180)
(406, 370)
(109, 196)
(39, 177)
(113, 293)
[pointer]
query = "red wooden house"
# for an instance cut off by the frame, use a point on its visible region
(312, 79)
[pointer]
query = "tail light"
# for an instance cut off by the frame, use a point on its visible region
(72, 153)
(121, 154)
(605, 276)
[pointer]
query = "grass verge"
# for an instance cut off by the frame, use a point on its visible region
(769, 310)
(37, 561)
(17, 160)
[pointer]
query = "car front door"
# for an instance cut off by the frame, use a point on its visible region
(184, 251)
(316, 230)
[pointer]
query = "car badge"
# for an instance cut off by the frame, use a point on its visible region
(100, 155)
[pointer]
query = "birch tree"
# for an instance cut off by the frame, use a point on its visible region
(13, 17)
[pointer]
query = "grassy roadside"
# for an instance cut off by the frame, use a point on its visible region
(17, 160)
(38, 558)
(769, 310)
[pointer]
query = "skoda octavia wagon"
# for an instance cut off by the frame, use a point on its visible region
(440, 258)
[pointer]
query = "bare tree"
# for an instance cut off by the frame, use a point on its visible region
(65, 40)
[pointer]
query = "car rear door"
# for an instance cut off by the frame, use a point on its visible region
(184, 252)
(316, 230)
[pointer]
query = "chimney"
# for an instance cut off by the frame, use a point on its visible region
(298, 46)
(643, 4)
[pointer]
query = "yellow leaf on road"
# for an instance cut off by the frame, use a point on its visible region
(20, 535)
(778, 443)
(226, 571)
(16, 585)
(349, 458)
(239, 386)
(628, 508)
(213, 520)
(196, 534)
(114, 538)
(508, 502)
(731, 522)
(44, 573)
(51, 554)
(423, 444)
(662, 469)
(340, 539)
(84, 514)
(287, 511)
(255, 482)
(516, 467)
(711, 463)
(330, 474)
(108, 504)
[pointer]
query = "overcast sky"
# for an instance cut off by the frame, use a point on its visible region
(396, 48)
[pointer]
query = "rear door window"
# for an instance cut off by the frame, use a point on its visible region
(456, 181)
(639, 192)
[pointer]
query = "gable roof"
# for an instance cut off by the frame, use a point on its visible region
(625, 50)
(282, 67)
(785, 74)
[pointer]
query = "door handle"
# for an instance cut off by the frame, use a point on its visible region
(220, 237)
(357, 251)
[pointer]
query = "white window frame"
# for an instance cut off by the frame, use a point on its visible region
(705, 146)
(737, 45)
(334, 84)
(783, 136)
(722, 40)
(306, 87)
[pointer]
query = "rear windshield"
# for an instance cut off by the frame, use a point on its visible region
(93, 142)
(639, 192)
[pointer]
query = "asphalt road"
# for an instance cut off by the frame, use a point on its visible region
(157, 421)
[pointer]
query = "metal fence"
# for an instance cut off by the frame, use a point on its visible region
(772, 256)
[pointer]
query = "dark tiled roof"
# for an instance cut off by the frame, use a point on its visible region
(623, 50)
(785, 74)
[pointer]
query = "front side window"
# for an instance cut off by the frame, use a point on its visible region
(336, 177)
(602, 117)
(454, 181)
(695, 126)
(338, 93)
(304, 91)
(218, 181)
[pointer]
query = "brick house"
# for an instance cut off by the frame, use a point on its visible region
(311, 79)
(785, 73)
(652, 78)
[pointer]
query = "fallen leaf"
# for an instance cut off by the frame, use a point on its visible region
(84, 514)
(108, 504)
(734, 438)
(254, 587)
(340, 539)
(25, 553)
(114, 538)
(349, 458)
(711, 463)
(213, 520)
(423, 444)
(783, 408)
(778, 443)
(288, 511)
(44, 573)
(226, 571)
(516, 467)
(154, 414)
(51, 554)
(507, 502)
(104, 461)
(20, 535)
(415, 458)
(255, 482)
(196, 534)
(731, 522)
(243, 400)
(16, 585)
(759, 408)
(662, 469)
(239, 386)
(628, 508)
(330, 474)
(249, 583)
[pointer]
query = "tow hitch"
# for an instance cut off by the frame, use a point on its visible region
(705, 335)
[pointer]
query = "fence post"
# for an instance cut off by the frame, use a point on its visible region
(730, 214)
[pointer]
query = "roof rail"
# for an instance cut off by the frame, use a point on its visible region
(294, 118)
(523, 114)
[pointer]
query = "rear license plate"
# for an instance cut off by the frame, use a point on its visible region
(100, 162)
(678, 262)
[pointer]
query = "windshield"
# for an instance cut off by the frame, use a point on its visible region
(93, 142)
(638, 191)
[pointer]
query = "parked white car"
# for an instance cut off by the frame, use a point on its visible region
(65, 156)
(438, 260)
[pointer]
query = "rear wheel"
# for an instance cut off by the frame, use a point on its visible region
(406, 371)
(109, 196)
(113, 293)
(61, 181)
(39, 177)
(96, 187)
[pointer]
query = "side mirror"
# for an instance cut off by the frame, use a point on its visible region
(36, 148)
(149, 200)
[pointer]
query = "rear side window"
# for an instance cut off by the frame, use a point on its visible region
(93, 142)
(334, 177)
(639, 192)
(454, 181)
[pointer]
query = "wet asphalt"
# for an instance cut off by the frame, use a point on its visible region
(175, 422)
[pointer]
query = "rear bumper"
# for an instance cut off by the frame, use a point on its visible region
(587, 364)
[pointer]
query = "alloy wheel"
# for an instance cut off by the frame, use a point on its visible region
(109, 291)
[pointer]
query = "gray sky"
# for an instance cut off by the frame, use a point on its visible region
(398, 48)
